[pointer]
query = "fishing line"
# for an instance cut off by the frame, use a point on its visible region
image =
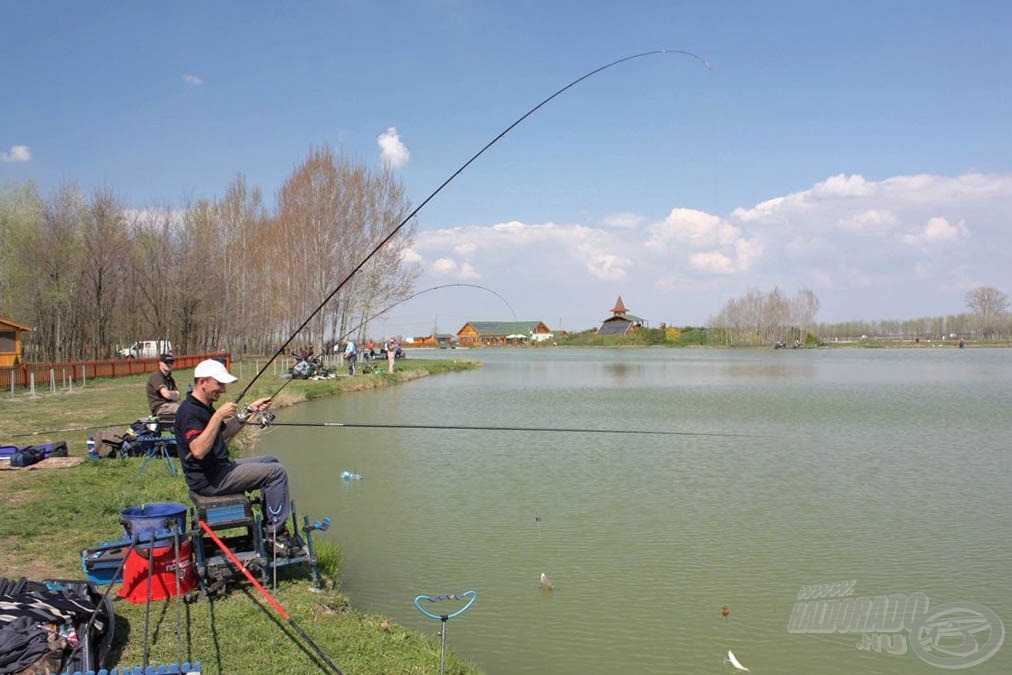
(439, 189)
(60, 431)
(455, 427)
(265, 415)
(386, 309)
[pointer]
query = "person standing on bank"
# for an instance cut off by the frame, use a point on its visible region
(391, 348)
(202, 433)
(350, 354)
(163, 394)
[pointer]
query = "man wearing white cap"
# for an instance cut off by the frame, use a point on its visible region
(202, 434)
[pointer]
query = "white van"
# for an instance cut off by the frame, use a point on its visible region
(145, 349)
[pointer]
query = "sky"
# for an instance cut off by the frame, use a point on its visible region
(860, 150)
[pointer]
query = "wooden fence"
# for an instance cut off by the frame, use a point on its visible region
(79, 372)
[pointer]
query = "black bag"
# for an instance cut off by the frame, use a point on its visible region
(27, 456)
(62, 603)
(57, 449)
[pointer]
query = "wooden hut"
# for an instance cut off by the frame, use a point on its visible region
(476, 333)
(10, 342)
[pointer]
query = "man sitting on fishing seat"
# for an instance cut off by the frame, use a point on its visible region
(163, 395)
(202, 433)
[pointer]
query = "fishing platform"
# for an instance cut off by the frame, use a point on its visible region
(238, 523)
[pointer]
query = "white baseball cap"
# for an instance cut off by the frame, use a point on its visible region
(213, 368)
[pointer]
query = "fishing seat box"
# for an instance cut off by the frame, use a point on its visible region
(224, 511)
(231, 518)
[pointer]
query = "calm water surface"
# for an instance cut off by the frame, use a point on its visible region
(890, 468)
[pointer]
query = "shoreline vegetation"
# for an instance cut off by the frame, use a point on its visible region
(48, 516)
(718, 339)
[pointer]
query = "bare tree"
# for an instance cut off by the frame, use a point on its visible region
(756, 318)
(22, 212)
(988, 303)
(241, 221)
(220, 274)
(52, 252)
(198, 314)
(333, 213)
(105, 269)
(154, 266)
(805, 306)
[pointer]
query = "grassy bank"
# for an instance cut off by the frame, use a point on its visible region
(48, 516)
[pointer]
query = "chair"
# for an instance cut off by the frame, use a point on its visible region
(157, 444)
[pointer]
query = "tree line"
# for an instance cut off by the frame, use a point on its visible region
(88, 274)
(767, 318)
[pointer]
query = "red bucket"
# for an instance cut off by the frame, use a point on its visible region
(163, 564)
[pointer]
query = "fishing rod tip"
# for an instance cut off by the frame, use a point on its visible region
(706, 64)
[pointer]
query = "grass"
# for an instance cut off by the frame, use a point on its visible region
(47, 517)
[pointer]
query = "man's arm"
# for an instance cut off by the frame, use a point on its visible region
(201, 444)
(168, 394)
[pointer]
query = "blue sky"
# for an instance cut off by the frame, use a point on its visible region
(861, 150)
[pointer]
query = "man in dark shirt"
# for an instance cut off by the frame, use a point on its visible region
(202, 433)
(163, 395)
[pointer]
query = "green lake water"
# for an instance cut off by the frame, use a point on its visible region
(889, 469)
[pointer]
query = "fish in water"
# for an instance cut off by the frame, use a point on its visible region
(545, 582)
(735, 662)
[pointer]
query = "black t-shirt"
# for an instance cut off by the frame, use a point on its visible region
(191, 420)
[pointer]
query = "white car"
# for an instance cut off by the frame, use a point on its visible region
(145, 349)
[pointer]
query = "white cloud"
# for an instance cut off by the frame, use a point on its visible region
(712, 261)
(692, 228)
(843, 186)
(17, 153)
(608, 267)
(747, 253)
(192, 80)
(465, 249)
(871, 222)
(867, 248)
(444, 266)
(448, 267)
(393, 153)
(937, 230)
(623, 221)
(411, 256)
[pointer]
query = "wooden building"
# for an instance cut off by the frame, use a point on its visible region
(478, 333)
(621, 322)
(10, 342)
(437, 340)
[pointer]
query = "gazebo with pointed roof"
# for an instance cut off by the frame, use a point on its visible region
(621, 322)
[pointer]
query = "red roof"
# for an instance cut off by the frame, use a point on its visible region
(619, 307)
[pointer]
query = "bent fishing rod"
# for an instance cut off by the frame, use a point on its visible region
(423, 292)
(246, 416)
(439, 189)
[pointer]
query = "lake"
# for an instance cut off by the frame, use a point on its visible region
(789, 471)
